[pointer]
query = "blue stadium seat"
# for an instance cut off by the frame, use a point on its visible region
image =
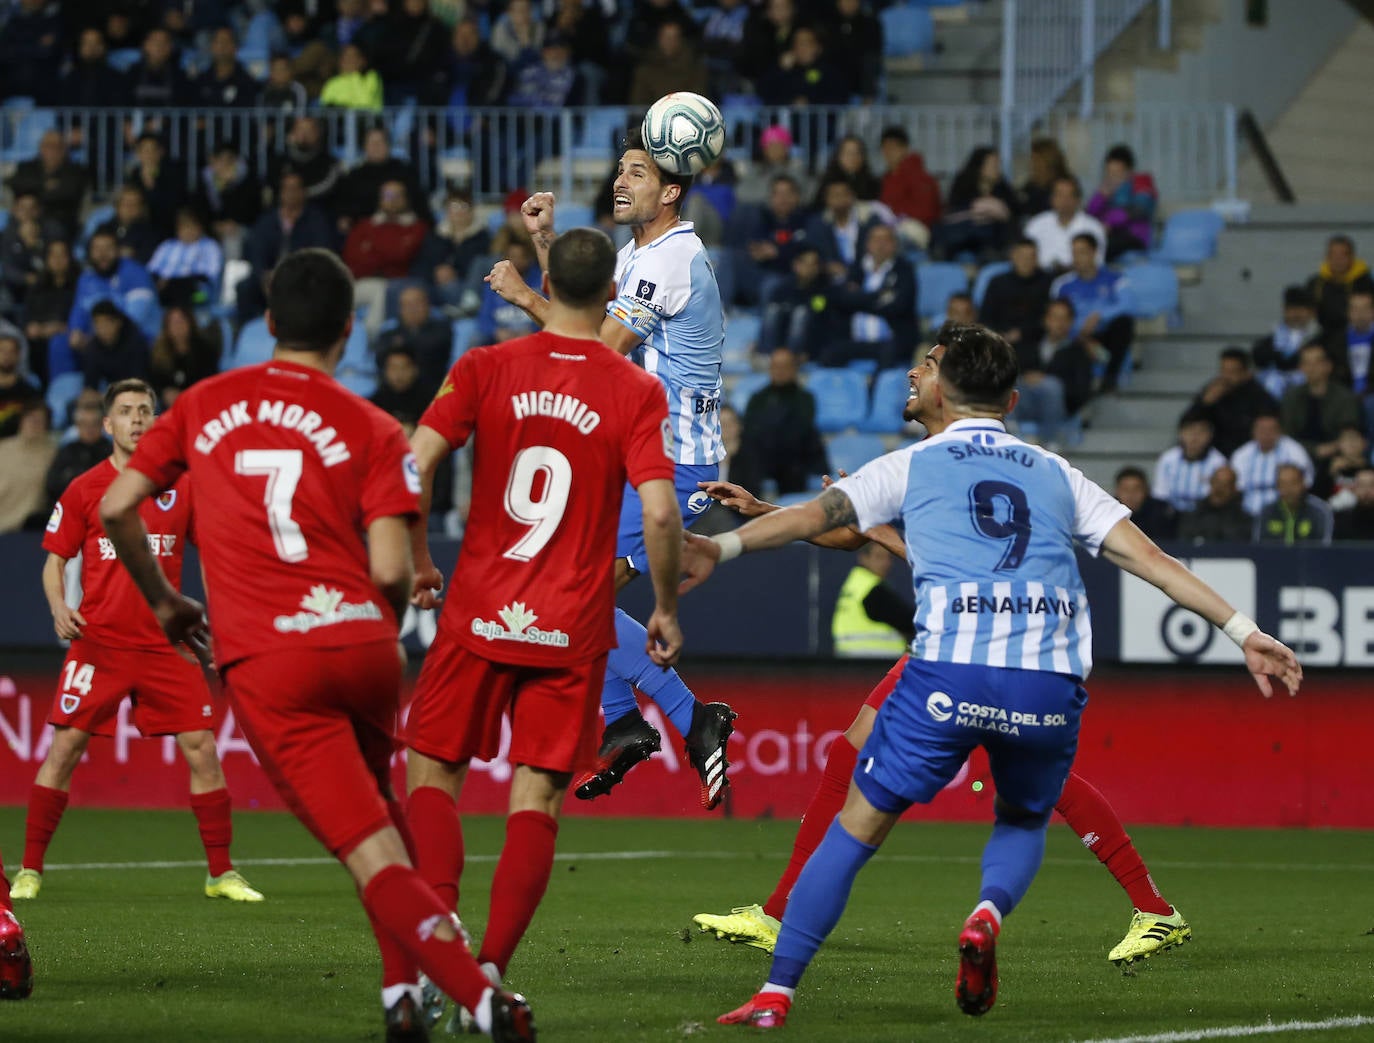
(935, 281)
(1152, 290)
(464, 336)
(849, 452)
(867, 367)
(890, 389)
(985, 275)
(123, 58)
(573, 215)
(907, 30)
(1190, 237)
(601, 130)
(97, 217)
(61, 392)
(254, 345)
(841, 398)
(745, 386)
(358, 368)
(741, 335)
(25, 127)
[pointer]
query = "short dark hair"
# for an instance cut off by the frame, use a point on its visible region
(1062, 302)
(634, 141)
(783, 179)
(102, 233)
(1022, 240)
(959, 295)
(1131, 471)
(310, 299)
(1236, 354)
(979, 367)
(895, 132)
(1089, 238)
(107, 309)
(1121, 154)
(1316, 345)
(1340, 239)
(1267, 414)
(130, 384)
(1298, 297)
(581, 267)
(1194, 415)
(1071, 180)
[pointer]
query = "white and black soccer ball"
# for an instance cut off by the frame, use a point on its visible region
(683, 133)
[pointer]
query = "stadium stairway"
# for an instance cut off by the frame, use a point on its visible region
(1235, 300)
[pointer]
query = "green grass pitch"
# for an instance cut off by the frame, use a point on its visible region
(1282, 924)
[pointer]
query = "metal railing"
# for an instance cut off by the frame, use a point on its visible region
(1049, 47)
(1190, 149)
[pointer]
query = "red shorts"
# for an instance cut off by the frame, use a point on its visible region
(461, 698)
(883, 688)
(322, 723)
(169, 694)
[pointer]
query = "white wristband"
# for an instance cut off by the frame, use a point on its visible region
(731, 546)
(1239, 627)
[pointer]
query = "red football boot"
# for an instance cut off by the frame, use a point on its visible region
(976, 987)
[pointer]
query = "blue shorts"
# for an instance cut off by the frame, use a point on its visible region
(1027, 720)
(692, 501)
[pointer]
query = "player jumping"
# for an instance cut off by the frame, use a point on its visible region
(1155, 924)
(307, 494)
(561, 423)
(118, 649)
(16, 969)
(667, 317)
(1003, 635)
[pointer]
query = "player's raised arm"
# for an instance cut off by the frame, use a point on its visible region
(662, 546)
(831, 509)
(1130, 549)
(537, 212)
(66, 621)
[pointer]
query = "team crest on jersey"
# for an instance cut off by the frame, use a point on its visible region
(70, 702)
(669, 442)
(698, 502)
(167, 499)
(55, 519)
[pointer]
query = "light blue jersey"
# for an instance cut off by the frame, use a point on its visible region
(667, 295)
(991, 524)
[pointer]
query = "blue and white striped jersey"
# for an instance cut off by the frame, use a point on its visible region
(991, 524)
(174, 259)
(667, 295)
(1257, 472)
(1183, 482)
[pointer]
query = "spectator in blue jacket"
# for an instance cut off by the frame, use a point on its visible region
(109, 277)
(1100, 300)
(774, 236)
(499, 321)
(879, 295)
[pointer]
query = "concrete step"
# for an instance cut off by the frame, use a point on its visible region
(1128, 441)
(1132, 410)
(1102, 468)
(932, 86)
(1191, 352)
(1171, 379)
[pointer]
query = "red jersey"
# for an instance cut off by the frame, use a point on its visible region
(562, 424)
(290, 469)
(116, 613)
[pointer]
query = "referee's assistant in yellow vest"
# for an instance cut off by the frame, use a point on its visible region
(871, 621)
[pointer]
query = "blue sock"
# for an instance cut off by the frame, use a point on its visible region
(1010, 861)
(617, 698)
(631, 665)
(817, 901)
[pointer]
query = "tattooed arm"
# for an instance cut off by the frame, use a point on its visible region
(830, 510)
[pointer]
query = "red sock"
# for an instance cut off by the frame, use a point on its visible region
(522, 876)
(1092, 818)
(402, 905)
(216, 828)
(45, 812)
(825, 804)
(438, 832)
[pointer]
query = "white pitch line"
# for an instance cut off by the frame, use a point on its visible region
(715, 856)
(1268, 1028)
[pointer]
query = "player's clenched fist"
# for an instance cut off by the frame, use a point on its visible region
(537, 211)
(425, 588)
(508, 283)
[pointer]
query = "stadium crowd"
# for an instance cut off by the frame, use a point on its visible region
(823, 255)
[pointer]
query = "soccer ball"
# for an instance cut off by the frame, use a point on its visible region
(684, 133)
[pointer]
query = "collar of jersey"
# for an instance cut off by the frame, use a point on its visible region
(977, 424)
(681, 226)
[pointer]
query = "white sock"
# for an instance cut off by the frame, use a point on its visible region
(493, 975)
(391, 995)
(990, 909)
(783, 989)
(482, 1015)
